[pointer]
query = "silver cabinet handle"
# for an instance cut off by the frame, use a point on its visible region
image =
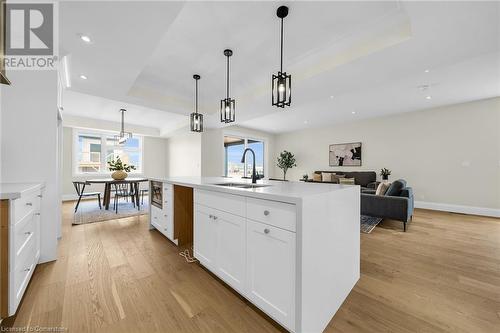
(266, 231)
(27, 233)
(38, 214)
(40, 196)
(29, 204)
(266, 212)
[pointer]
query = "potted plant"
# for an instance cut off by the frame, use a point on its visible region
(305, 177)
(119, 169)
(286, 161)
(385, 173)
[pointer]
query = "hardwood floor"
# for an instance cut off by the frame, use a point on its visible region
(442, 275)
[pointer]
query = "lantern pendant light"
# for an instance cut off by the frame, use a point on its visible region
(121, 138)
(227, 105)
(281, 83)
(196, 118)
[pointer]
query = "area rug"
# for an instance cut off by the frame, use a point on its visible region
(89, 212)
(368, 223)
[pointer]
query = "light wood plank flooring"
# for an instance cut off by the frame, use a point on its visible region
(442, 275)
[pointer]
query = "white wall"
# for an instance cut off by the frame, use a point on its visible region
(29, 144)
(449, 155)
(212, 152)
(184, 153)
(154, 163)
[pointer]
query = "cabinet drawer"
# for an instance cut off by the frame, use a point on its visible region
(278, 214)
(21, 274)
(24, 206)
(229, 203)
(24, 233)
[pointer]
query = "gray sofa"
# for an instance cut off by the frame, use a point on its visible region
(365, 179)
(396, 204)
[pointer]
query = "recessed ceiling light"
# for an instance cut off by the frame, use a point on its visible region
(428, 97)
(83, 77)
(353, 112)
(85, 38)
(331, 97)
(426, 71)
(306, 122)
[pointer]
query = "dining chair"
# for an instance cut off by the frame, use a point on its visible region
(80, 190)
(123, 190)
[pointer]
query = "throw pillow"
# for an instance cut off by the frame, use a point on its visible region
(382, 188)
(326, 176)
(396, 188)
(347, 181)
(316, 177)
(335, 178)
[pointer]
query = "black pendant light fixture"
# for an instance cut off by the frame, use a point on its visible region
(122, 138)
(196, 118)
(281, 83)
(227, 105)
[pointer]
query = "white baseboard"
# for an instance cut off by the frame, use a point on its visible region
(483, 211)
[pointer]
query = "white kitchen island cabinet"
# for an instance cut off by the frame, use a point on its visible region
(292, 249)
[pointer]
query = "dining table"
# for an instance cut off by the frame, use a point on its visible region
(133, 181)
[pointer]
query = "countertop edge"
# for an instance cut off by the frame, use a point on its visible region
(252, 193)
(16, 194)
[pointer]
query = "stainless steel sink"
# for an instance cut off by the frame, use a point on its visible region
(241, 185)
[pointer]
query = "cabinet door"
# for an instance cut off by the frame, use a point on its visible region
(204, 237)
(230, 249)
(155, 218)
(271, 271)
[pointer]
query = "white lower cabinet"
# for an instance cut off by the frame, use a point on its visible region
(204, 237)
(271, 271)
(163, 218)
(255, 258)
(230, 249)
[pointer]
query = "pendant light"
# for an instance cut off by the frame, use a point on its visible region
(227, 105)
(123, 136)
(196, 118)
(281, 83)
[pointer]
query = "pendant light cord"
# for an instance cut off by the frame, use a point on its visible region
(227, 77)
(281, 67)
(123, 120)
(196, 97)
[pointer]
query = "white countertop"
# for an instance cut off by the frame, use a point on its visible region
(289, 191)
(11, 191)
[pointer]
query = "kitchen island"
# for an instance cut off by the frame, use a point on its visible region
(290, 248)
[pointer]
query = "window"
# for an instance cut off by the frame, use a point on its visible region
(92, 151)
(233, 151)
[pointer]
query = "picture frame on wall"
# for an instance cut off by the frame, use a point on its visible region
(345, 154)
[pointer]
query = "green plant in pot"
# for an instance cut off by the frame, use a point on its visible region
(119, 169)
(385, 173)
(286, 161)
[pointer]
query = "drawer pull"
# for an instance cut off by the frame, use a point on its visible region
(29, 204)
(27, 233)
(40, 196)
(37, 214)
(27, 269)
(266, 231)
(266, 212)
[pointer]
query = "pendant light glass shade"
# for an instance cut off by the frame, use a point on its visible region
(196, 119)
(123, 136)
(227, 105)
(281, 84)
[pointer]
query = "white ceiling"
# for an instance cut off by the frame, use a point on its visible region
(370, 56)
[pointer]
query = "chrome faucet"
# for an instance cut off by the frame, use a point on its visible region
(254, 174)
